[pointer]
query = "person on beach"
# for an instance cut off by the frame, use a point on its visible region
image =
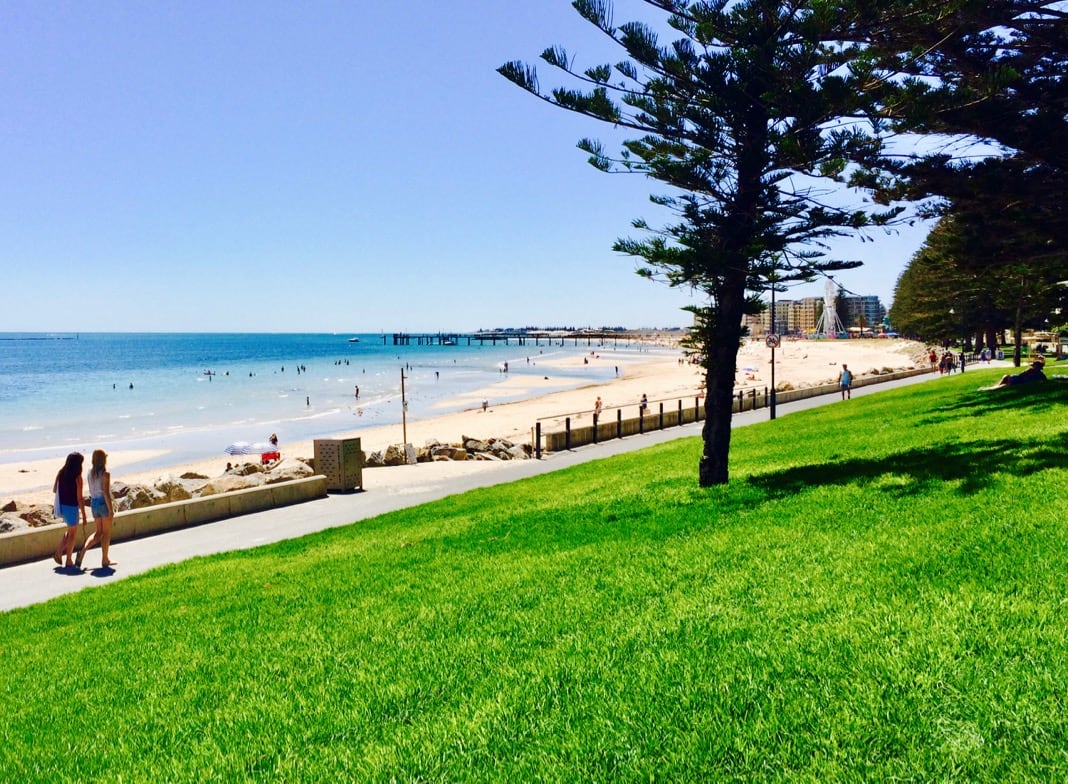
(845, 382)
(68, 490)
(596, 410)
(644, 404)
(103, 506)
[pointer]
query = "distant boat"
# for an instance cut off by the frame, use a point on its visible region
(354, 340)
(448, 342)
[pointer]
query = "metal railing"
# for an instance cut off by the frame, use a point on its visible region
(677, 413)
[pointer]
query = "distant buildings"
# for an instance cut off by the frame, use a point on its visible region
(800, 316)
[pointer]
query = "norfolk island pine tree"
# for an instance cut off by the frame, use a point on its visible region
(749, 118)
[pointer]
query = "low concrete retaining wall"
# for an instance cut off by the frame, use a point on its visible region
(35, 544)
(692, 411)
(791, 395)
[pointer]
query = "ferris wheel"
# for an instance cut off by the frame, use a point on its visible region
(829, 323)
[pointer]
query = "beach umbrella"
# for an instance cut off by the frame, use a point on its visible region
(245, 448)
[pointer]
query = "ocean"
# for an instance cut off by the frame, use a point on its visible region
(193, 394)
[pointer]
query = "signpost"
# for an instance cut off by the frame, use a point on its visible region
(772, 342)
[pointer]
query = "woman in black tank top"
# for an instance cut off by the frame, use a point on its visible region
(68, 490)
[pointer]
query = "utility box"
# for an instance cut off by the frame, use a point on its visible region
(340, 460)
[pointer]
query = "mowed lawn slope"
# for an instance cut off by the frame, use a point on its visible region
(880, 593)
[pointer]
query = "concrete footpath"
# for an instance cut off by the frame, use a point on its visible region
(385, 489)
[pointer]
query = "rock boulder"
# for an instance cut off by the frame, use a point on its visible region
(11, 522)
(138, 497)
(172, 490)
(229, 483)
(287, 471)
(38, 515)
(448, 452)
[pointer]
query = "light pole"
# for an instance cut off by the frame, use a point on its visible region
(773, 344)
(772, 340)
(404, 413)
(1062, 283)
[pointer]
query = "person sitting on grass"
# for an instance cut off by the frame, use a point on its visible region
(1033, 373)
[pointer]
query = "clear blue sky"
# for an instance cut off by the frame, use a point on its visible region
(315, 166)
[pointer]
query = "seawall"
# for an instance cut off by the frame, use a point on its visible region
(36, 544)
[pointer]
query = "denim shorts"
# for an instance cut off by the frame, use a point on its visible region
(100, 508)
(69, 513)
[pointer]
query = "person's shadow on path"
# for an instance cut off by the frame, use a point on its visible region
(69, 571)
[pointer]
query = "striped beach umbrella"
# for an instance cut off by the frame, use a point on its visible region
(245, 448)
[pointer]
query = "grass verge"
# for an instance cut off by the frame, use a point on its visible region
(879, 594)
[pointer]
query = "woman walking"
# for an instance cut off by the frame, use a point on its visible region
(103, 506)
(68, 490)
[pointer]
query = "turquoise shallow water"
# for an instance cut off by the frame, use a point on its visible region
(192, 394)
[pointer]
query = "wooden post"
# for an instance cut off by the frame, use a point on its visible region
(567, 434)
(404, 411)
(537, 441)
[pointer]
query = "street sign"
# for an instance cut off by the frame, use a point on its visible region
(772, 341)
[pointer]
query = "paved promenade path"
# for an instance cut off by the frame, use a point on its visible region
(385, 489)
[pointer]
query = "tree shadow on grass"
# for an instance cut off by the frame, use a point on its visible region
(1033, 398)
(968, 463)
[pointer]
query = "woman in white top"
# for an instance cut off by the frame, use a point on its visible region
(103, 507)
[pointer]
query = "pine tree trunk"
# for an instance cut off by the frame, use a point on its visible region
(1017, 337)
(737, 233)
(719, 401)
(721, 362)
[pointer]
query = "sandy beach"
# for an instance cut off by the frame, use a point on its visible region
(660, 376)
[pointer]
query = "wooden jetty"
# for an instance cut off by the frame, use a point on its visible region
(520, 337)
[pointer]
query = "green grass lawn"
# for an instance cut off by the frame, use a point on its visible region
(880, 594)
